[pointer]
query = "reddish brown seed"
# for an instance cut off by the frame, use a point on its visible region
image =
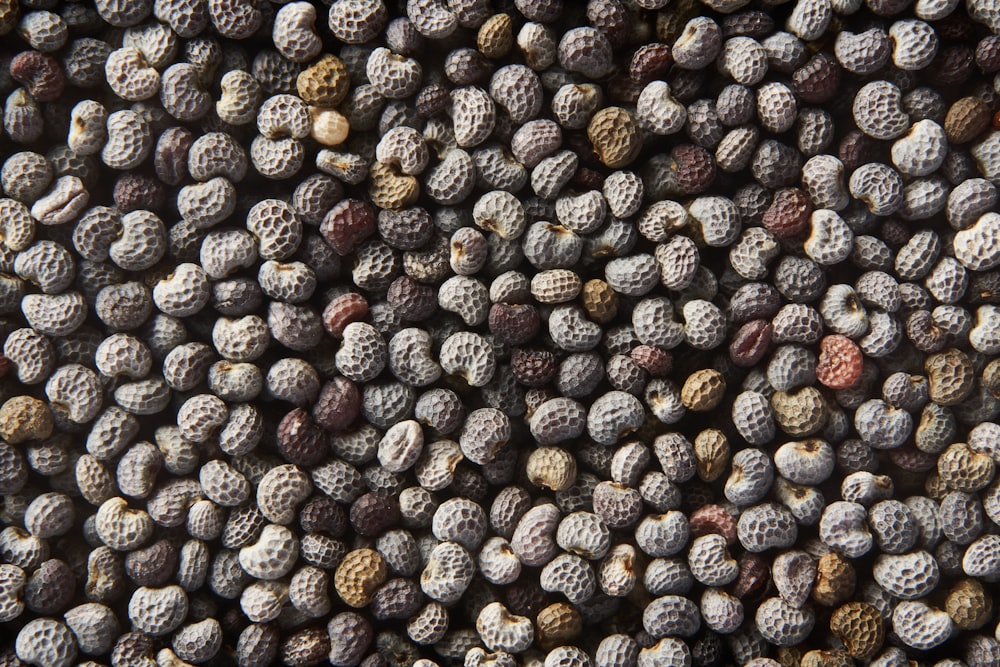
(840, 362)
(856, 149)
(909, 458)
(788, 214)
(338, 405)
(40, 73)
(533, 368)
(988, 54)
(584, 149)
(695, 168)
(750, 343)
(817, 81)
(300, 440)
(134, 191)
(957, 26)
(373, 513)
(525, 596)
(342, 310)
(654, 360)
(432, 100)
(4, 366)
(347, 224)
(952, 66)
(623, 90)
(514, 324)
(713, 519)
(586, 178)
(412, 300)
(753, 579)
(894, 233)
(323, 514)
(650, 61)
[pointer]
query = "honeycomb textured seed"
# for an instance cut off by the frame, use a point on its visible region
(661, 304)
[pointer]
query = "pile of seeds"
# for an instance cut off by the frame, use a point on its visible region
(489, 333)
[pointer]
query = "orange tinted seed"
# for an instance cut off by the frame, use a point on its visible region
(839, 364)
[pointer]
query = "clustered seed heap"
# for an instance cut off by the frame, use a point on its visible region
(488, 333)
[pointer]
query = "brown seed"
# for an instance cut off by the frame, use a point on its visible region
(599, 300)
(670, 21)
(558, 624)
(525, 596)
(967, 118)
(692, 170)
(969, 605)
(325, 83)
(513, 324)
(801, 412)
(952, 66)
(342, 310)
(300, 440)
(788, 214)
(40, 73)
(359, 575)
(616, 136)
(306, 647)
(338, 405)
(373, 513)
(817, 81)
(911, 459)
(533, 368)
(711, 450)
(835, 580)
(25, 418)
(496, 36)
(551, 468)
(654, 360)
(754, 578)
(750, 343)
(391, 189)
(703, 390)
(856, 149)
(991, 377)
(840, 362)
(831, 658)
(709, 519)
(860, 627)
(347, 224)
(650, 61)
(950, 376)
